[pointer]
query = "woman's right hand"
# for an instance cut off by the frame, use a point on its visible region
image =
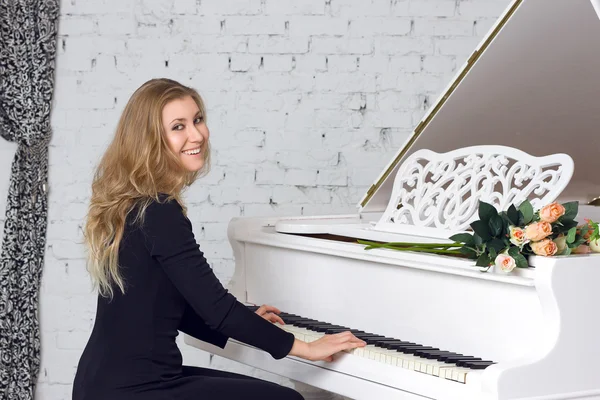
(324, 348)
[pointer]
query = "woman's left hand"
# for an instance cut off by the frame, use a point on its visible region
(270, 313)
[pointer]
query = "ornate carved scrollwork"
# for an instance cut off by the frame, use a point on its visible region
(443, 190)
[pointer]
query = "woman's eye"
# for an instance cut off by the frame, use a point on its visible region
(177, 127)
(198, 120)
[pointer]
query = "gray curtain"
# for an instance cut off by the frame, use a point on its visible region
(27, 52)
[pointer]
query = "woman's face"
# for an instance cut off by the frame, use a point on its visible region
(186, 132)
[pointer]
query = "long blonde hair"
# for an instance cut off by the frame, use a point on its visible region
(137, 166)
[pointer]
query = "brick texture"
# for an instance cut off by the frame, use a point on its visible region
(307, 102)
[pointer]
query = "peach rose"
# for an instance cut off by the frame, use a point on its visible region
(517, 236)
(582, 249)
(595, 246)
(505, 262)
(538, 231)
(552, 212)
(544, 247)
(561, 243)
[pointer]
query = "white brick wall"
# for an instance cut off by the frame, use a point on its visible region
(307, 101)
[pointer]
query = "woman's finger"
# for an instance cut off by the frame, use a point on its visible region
(265, 308)
(272, 309)
(347, 346)
(261, 310)
(273, 318)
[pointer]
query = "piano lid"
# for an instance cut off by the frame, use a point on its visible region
(533, 83)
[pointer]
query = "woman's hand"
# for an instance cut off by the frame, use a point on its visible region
(270, 313)
(324, 348)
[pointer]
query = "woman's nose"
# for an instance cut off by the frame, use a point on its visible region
(196, 134)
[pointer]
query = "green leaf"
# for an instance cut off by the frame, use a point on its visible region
(578, 242)
(513, 251)
(483, 260)
(513, 215)
(571, 209)
(571, 235)
(493, 253)
(465, 238)
(469, 252)
(486, 211)
(482, 229)
(521, 261)
(478, 240)
(527, 209)
(566, 225)
(496, 244)
(496, 225)
(566, 251)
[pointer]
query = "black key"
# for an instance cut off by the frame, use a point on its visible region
(438, 355)
(325, 328)
(387, 343)
(332, 331)
(305, 323)
(375, 340)
(371, 339)
(294, 317)
(431, 354)
(290, 316)
(314, 326)
(364, 336)
(384, 341)
(455, 359)
(472, 363)
(292, 320)
(396, 345)
(412, 349)
(426, 352)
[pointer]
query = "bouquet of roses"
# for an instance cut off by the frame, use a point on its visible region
(506, 238)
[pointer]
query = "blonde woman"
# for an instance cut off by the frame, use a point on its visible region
(152, 278)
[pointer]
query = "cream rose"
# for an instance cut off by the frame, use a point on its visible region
(538, 231)
(544, 247)
(595, 246)
(552, 212)
(561, 243)
(505, 262)
(517, 236)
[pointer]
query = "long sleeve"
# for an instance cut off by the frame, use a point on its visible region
(171, 242)
(195, 326)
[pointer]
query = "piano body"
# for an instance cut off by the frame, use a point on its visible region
(532, 84)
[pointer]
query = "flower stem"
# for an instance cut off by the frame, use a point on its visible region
(417, 249)
(409, 244)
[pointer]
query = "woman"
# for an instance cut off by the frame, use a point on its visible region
(152, 277)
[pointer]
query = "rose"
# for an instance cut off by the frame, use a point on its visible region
(582, 249)
(544, 247)
(505, 262)
(517, 236)
(595, 246)
(552, 212)
(538, 231)
(561, 243)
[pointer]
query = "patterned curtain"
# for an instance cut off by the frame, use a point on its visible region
(28, 30)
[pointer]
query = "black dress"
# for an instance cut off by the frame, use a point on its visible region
(132, 354)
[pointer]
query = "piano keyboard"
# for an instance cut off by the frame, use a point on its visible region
(396, 352)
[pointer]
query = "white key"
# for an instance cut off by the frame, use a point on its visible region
(459, 374)
(393, 357)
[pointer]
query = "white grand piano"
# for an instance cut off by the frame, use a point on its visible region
(533, 84)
